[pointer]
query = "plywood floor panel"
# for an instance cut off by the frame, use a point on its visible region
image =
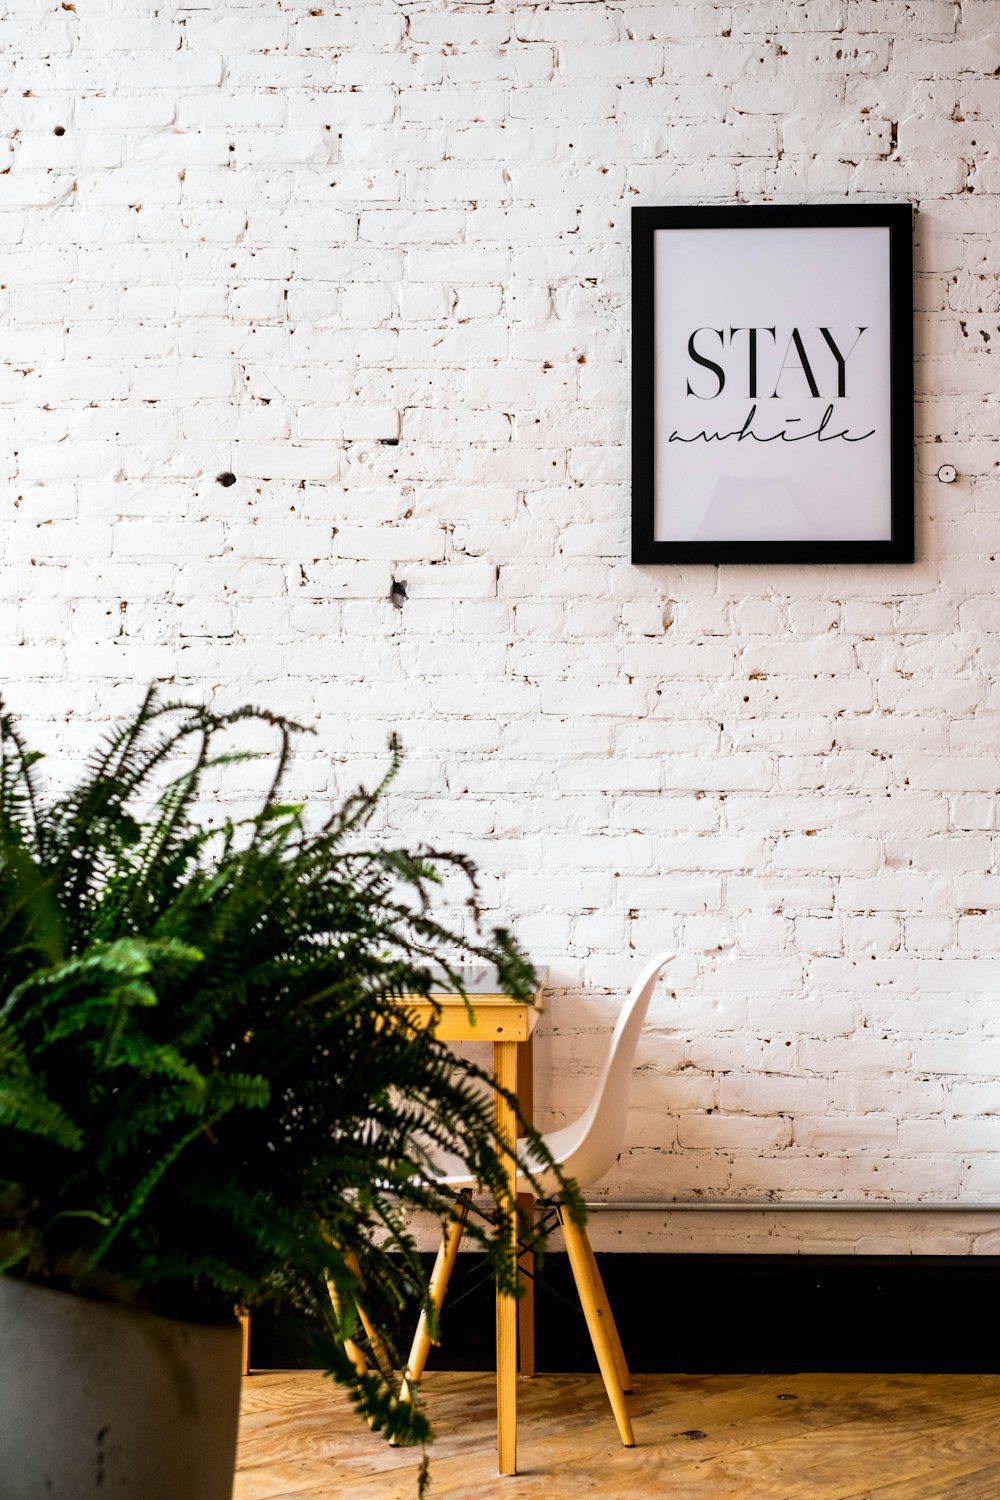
(727, 1437)
(956, 1482)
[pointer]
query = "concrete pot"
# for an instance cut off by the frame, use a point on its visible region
(99, 1400)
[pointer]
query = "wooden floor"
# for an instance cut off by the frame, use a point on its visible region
(700, 1437)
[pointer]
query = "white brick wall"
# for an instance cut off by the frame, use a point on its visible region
(372, 259)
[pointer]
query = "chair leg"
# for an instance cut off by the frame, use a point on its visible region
(351, 1349)
(596, 1323)
(440, 1276)
(374, 1338)
(602, 1299)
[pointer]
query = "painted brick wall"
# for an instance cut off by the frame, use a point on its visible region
(372, 260)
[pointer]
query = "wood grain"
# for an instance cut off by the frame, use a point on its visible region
(726, 1437)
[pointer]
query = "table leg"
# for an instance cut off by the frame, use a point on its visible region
(505, 1069)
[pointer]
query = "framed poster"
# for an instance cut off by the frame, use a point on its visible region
(772, 384)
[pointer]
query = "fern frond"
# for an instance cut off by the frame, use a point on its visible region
(25, 1106)
(18, 792)
(205, 1077)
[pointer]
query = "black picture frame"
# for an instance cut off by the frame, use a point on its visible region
(895, 455)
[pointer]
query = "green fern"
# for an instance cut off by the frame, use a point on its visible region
(207, 1093)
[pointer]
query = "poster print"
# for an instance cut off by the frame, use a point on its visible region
(772, 384)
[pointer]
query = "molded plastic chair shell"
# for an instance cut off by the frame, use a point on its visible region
(588, 1148)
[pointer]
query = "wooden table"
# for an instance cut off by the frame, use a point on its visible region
(508, 1024)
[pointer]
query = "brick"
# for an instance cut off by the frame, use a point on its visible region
(732, 1132)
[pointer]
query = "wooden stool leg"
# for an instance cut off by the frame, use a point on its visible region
(599, 1336)
(505, 1073)
(526, 1305)
(605, 1306)
(243, 1314)
(526, 1262)
(440, 1276)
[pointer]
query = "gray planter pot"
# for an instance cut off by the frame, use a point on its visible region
(98, 1400)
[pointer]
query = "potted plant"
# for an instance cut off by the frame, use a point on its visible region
(209, 1096)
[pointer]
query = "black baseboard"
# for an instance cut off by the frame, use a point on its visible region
(738, 1314)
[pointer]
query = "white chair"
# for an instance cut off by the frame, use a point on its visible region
(585, 1151)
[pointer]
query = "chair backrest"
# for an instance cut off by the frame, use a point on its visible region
(600, 1130)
